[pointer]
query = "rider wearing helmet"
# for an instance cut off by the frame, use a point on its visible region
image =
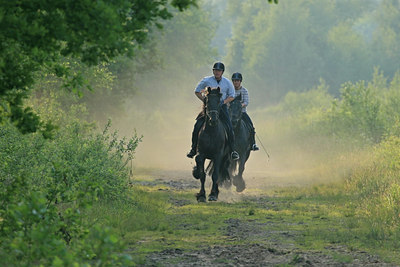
(228, 93)
(237, 79)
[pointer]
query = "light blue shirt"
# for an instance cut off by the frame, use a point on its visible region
(224, 84)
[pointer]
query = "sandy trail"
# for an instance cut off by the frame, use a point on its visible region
(259, 247)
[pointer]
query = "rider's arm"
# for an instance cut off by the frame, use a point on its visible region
(228, 99)
(245, 97)
(230, 94)
(199, 95)
(200, 89)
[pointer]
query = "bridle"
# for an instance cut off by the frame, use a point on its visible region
(238, 117)
(211, 113)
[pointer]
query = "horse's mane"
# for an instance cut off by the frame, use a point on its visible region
(209, 91)
(213, 90)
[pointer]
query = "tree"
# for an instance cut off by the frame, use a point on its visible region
(290, 46)
(181, 47)
(40, 34)
(386, 37)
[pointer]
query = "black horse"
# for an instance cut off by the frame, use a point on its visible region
(242, 143)
(212, 145)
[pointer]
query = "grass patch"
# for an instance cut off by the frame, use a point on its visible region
(335, 219)
(342, 258)
(159, 217)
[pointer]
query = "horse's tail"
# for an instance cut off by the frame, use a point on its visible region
(223, 174)
(210, 168)
(224, 170)
(233, 167)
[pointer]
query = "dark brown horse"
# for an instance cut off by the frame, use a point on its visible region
(242, 143)
(212, 145)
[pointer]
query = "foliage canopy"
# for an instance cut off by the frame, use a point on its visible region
(290, 46)
(41, 34)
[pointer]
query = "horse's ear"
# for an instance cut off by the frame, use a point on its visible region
(239, 97)
(209, 89)
(218, 89)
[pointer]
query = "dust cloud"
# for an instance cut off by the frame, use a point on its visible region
(164, 110)
(165, 115)
(166, 122)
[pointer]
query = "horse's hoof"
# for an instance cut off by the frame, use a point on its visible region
(227, 184)
(239, 183)
(201, 199)
(240, 188)
(212, 198)
(196, 173)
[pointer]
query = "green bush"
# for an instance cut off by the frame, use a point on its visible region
(376, 187)
(358, 113)
(46, 187)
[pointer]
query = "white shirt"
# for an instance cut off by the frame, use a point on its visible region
(245, 97)
(225, 85)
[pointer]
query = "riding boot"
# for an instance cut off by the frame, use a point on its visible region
(229, 129)
(234, 155)
(195, 136)
(193, 150)
(254, 147)
(231, 140)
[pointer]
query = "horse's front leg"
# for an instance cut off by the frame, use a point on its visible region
(238, 180)
(201, 196)
(215, 191)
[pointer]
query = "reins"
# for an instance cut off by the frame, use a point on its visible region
(209, 112)
(212, 112)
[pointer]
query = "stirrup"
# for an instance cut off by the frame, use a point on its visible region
(234, 155)
(255, 147)
(191, 153)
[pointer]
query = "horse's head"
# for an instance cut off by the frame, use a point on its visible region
(212, 105)
(235, 110)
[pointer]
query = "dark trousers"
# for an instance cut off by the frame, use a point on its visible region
(224, 115)
(247, 120)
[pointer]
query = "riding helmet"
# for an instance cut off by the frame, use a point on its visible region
(219, 66)
(237, 76)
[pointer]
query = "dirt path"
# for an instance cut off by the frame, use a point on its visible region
(259, 243)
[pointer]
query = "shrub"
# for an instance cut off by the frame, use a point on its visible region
(47, 184)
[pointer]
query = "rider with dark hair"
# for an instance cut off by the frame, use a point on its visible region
(237, 79)
(228, 93)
